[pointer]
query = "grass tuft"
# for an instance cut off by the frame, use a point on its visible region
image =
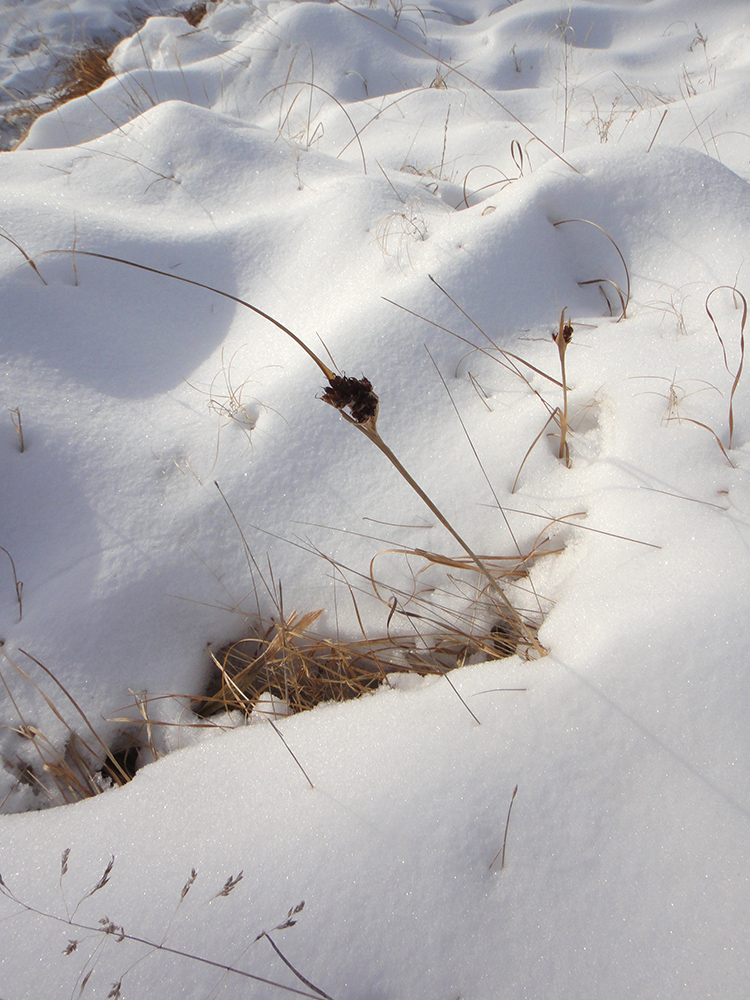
(85, 72)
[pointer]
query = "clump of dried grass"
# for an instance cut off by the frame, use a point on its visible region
(80, 74)
(79, 767)
(84, 72)
(285, 657)
(195, 14)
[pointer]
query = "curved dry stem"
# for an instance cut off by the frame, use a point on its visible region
(23, 253)
(315, 86)
(588, 222)
(209, 288)
(484, 166)
(554, 415)
(705, 428)
(608, 281)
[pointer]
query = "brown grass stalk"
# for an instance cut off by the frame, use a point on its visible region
(562, 338)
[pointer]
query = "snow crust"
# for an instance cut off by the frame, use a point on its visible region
(227, 154)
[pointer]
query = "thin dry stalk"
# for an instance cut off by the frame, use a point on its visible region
(510, 358)
(291, 753)
(661, 122)
(555, 415)
(505, 836)
(18, 584)
(15, 417)
(710, 430)
(29, 261)
(738, 373)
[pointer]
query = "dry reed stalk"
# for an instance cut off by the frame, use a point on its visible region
(15, 419)
(562, 338)
(357, 396)
(18, 584)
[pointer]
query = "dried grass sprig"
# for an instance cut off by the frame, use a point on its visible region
(9, 239)
(108, 928)
(501, 852)
(15, 419)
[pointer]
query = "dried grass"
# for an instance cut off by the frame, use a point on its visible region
(84, 72)
(286, 658)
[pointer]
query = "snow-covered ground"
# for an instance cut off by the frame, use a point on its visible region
(322, 162)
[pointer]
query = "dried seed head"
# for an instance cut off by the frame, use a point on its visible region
(564, 333)
(354, 393)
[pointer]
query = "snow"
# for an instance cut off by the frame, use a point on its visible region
(484, 131)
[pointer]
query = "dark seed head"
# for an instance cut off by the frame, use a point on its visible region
(354, 393)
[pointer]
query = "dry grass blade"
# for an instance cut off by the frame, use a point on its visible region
(15, 417)
(562, 338)
(291, 752)
(555, 415)
(705, 428)
(329, 374)
(29, 261)
(18, 584)
(738, 373)
(505, 354)
(505, 837)
(289, 965)
(608, 281)
(588, 222)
